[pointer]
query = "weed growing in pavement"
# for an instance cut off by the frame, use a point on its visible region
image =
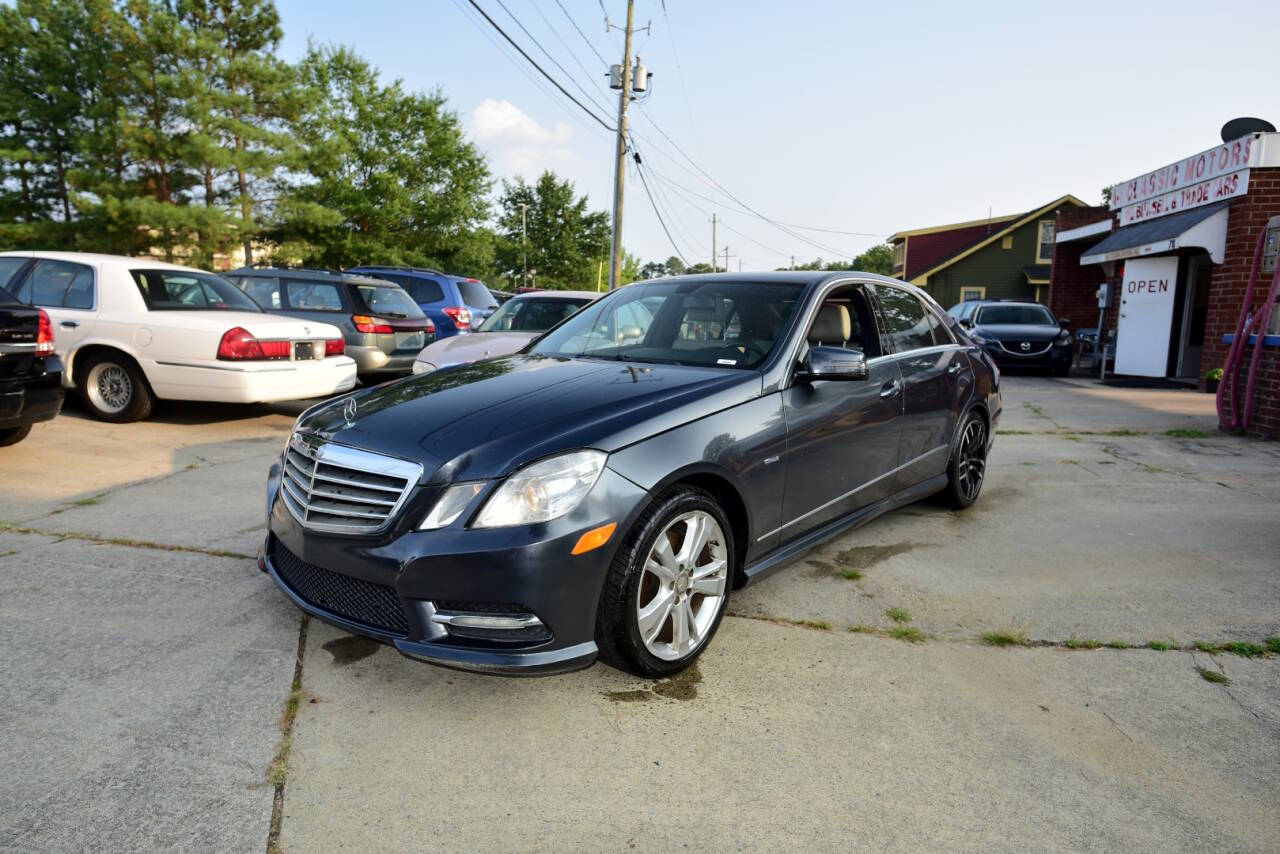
(1014, 433)
(1070, 462)
(1213, 676)
(910, 634)
(1273, 645)
(1186, 433)
(823, 625)
(88, 502)
(1118, 644)
(862, 630)
(1005, 638)
(1071, 437)
(1153, 469)
(851, 574)
(8, 553)
(1211, 648)
(1162, 646)
(898, 615)
(1078, 643)
(1124, 432)
(1035, 408)
(1242, 648)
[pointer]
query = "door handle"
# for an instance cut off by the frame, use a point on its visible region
(69, 324)
(890, 389)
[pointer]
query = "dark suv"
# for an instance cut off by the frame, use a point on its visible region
(1018, 334)
(457, 304)
(383, 327)
(30, 373)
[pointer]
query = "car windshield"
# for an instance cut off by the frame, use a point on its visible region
(531, 314)
(184, 290)
(722, 324)
(1016, 315)
(389, 301)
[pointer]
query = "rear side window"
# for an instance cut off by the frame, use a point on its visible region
(475, 293)
(313, 296)
(424, 291)
(388, 300)
(185, 290)
(9, 267)
(941, 335)
(58, 284)
(906, 319)
(265, 292)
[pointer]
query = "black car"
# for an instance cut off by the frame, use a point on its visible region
(601, 492)
(30, 374)
(1018, 334)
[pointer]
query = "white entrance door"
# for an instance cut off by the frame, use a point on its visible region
(1146, 316)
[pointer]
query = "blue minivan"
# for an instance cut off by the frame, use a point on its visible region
(456, 303)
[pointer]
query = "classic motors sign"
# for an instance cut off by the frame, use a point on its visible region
(1221, 172)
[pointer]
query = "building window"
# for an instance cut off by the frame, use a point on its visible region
(899, 253)
(1007, 242)
(1044, 243)
(972, 293)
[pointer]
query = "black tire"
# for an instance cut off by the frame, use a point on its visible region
(13, 435)
(617, 631)
(124, 379)
(1061, 370)
(968, 460)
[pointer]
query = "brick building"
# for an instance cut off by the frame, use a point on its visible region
(1175, 249)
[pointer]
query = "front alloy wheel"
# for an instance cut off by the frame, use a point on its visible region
(668, 586)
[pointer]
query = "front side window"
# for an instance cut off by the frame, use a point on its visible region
(530, 314)
(313, 296)
(720, 324)
(58, 284)
(389, 301)
(1044, 243)
(905, 318)
(183, 290)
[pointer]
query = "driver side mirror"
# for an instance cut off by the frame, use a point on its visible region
(966, 322)
(1064, 322)
(833, 363)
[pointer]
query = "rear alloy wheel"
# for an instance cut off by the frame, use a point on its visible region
(968, 466)
(14, 435)
(114, 389)
(668, 587)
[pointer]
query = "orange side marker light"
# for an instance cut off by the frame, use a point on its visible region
(595, 538)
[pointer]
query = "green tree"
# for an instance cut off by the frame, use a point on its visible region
(566, 241)
(383, 175)
(877, 259)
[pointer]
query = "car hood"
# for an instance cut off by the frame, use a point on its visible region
(461, 349)
(480, 421)
(1018, 332)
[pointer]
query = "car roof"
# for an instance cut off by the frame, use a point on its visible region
(425, 271)
(314, 273)
(558, 295)
(101, 259)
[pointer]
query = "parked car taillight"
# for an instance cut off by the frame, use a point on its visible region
(371, 325)
(44, 338)
(461, 315)
(238, 345)
(431, 327)
(335, 347)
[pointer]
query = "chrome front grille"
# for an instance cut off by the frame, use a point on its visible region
(334, 488)
(1014, 347)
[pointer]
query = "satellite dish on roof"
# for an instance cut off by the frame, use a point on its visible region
(1237, 128)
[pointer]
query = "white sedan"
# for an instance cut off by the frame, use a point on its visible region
(131, 330)
(514, 324)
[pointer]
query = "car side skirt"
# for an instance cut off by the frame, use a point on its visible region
(770, 563)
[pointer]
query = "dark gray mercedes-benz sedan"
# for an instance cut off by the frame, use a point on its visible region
(602, 492)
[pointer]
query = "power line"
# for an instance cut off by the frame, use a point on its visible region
(589, 96)
(543, 71)
(581, 33)
(688, 105)
(572, 54)
(656, 213)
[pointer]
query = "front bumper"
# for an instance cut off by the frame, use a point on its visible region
(423, 573)
(1054, 356)
(33, 397)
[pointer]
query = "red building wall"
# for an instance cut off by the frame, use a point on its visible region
(1072, 288)
(1248, 216)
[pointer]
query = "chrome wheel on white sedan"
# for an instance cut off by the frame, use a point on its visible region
(113, 388)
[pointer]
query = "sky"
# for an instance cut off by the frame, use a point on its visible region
(859, 119)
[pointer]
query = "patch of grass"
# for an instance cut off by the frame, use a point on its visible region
(1273, 645)
(1070, 462)
(910, 634)
(822, 625)
(88, 502)
(1118, 644)
(1153, 469)
(278, 771)
(1186, 433)
(898, 615)
(1014, 433)
(1082, 643)
(1008, 637)
(191, 466)
(1211, 648)
(1245, 649)
(8, 553)
(1124, 431)
(1106, 462)
(1035, 408)
(1071, 437)
(1213, 676)
(1161, 646)
(862, 630)
(851, 574)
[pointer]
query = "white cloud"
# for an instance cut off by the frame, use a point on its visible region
(518, 144)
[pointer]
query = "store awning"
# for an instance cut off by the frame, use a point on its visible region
(1200, 228)
(1037, 274)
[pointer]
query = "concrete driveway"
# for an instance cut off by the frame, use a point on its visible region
(849, 702)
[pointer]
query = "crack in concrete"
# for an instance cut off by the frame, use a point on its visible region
(11, 528)
(286, 736)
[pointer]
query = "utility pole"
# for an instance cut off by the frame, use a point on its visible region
(726, 258)
(620, 162)
(793, 262)
(713, 243)
(524, 247)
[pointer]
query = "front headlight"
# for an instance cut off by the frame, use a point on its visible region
(423, 367)
(544, 490)
(450, 506)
